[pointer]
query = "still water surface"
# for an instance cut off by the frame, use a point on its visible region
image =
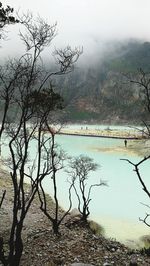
(117, 207)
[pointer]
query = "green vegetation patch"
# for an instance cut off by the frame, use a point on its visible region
(74, 114)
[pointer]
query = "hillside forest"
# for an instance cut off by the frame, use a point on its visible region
(103, 92)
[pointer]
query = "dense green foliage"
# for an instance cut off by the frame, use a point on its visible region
(136, 55)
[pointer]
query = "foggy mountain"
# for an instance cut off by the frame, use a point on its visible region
(101, 92)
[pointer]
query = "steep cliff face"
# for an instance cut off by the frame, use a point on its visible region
(103, 92)
(115, 99)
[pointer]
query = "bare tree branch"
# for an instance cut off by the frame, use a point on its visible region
(79, 169)
(28, 105)
(145, 220)
(2, 198)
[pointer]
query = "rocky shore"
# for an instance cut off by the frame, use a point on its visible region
(76, 245)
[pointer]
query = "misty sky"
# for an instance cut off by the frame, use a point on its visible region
(91, 23)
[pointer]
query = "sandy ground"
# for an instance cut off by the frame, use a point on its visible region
(134, 148)
(109, 133)
(139, 147)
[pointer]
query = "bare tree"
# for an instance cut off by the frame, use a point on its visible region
(79, 170)
(32, 106)
(2, 198)
(6, 16)
(20, 136)
(142, 80)
(56, 158)
(142, 182)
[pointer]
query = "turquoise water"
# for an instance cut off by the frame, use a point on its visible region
(117, 206)
(121, 197)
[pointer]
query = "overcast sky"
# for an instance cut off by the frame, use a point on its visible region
(90, 23)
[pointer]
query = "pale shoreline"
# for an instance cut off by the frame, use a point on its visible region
(136, 145)
(107, 133)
